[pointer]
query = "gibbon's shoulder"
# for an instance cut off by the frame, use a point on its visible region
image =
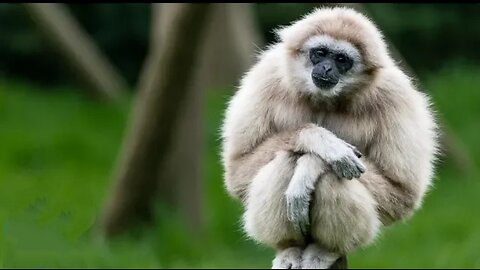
(265, 74)
(396, 93)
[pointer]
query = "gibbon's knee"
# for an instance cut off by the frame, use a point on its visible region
(265, 218)
(344, 214)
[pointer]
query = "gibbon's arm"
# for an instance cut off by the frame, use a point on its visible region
(240, 169)
(399, 169)
(400, 160)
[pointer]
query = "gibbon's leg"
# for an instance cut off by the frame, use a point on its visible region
(344, 214)
(278, 205)
(265, 218)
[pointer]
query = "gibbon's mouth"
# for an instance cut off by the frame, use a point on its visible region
(324, 83)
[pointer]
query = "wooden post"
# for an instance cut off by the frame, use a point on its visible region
(231, 39)
(180, 178)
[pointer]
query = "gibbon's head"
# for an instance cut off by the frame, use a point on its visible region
(332, 51)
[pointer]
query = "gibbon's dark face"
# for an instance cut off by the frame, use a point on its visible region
(328, 66)
(325, 67)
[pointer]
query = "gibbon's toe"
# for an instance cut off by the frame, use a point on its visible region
(290, 258)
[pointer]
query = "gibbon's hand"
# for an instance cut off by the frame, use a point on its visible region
(349, 166)
(343, 157)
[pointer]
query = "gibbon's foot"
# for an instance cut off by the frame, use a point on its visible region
(316, 257)
(289, 258)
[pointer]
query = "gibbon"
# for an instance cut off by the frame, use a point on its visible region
(326, 140)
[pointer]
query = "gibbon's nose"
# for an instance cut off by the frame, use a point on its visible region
(327, 67)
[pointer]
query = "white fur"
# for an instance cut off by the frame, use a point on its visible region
(276, 112)
(269, 186)
(308, 169)
(324, 143)
(316, 257)
(290, 258)
(347, 216)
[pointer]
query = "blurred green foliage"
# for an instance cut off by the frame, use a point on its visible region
(431, 35)
(58, 152)
(428, 35)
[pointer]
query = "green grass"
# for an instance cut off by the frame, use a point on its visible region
(58, 149)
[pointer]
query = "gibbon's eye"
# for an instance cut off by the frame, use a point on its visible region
(344, 63)
(341, 58)
(316, 54)
(321, 52)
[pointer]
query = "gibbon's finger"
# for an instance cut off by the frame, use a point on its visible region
(301, 223)
(298, 211)
(355, 150)
(360, 166)
(344, 168)
(355, 168)
(357, 153)
(304, 223)
(361, 169)
(337, 169)
(354, 172)
(348, 171)
(357, 174)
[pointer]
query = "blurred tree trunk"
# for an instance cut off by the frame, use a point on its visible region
(164, 90)
(180, 177)
(64, 33)
(232, 37)
(225, 53)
